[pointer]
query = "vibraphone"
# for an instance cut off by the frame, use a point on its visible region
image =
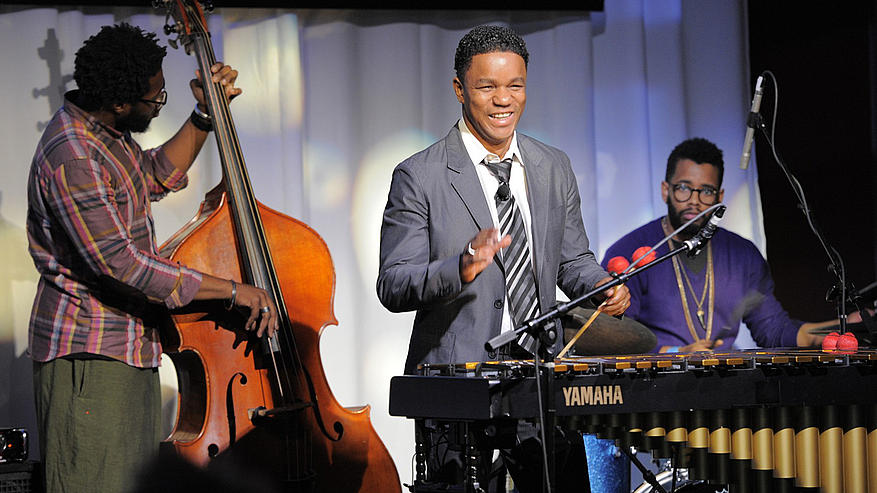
(756, 421)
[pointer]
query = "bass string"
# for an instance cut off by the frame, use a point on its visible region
(243, 197)
(241, 193)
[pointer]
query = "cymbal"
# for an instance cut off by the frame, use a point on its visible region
(607, 335)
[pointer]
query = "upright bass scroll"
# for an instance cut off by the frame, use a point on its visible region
(262, 403)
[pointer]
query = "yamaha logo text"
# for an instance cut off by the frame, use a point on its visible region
(593, 395)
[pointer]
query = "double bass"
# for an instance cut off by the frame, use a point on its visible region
(258, 403)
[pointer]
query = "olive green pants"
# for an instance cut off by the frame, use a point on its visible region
(98, 422)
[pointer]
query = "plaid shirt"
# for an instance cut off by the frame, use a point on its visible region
(103, 287)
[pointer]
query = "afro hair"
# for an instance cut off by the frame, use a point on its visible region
(114, 66)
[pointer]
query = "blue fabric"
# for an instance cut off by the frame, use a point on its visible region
(609, 470)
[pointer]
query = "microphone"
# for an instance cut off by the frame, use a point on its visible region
(751, 123)
(696, 243)
(503, 192)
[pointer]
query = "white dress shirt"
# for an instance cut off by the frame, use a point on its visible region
(489, 184)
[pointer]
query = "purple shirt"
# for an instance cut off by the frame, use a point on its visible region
(743, 290)
(102, 283)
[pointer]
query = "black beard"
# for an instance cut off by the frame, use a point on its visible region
(134, 122)
(676, 221)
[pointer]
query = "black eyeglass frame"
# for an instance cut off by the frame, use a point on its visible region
(161, 101)
(682, 187)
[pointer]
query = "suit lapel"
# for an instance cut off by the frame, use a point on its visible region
(465, 180)
(537, 194)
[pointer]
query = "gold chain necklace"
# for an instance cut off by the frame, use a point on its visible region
(699, 302)
(708, 286)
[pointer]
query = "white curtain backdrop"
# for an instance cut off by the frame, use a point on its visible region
(334, 99)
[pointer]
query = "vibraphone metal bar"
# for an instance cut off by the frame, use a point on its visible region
(759, 420)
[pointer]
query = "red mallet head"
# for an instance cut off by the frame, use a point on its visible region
(639, 252)
(830, 342)
(847, 342)
(617, 265)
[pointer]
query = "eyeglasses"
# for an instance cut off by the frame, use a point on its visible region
(161, 100)
(707, 195)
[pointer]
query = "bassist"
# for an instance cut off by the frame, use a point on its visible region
(92, 331)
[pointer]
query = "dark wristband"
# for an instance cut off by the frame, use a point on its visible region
(201, 121)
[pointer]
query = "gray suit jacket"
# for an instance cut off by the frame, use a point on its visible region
(435, 207)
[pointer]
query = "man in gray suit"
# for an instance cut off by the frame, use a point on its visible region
(442, 253)
(440, 246)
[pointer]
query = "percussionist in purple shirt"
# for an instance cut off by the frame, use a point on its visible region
(697, 303)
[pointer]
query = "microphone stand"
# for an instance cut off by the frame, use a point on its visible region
(542, 332)
(836, 264)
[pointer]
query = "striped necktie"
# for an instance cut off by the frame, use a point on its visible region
(519, 278)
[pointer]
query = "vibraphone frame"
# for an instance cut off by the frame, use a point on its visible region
(757, 420)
